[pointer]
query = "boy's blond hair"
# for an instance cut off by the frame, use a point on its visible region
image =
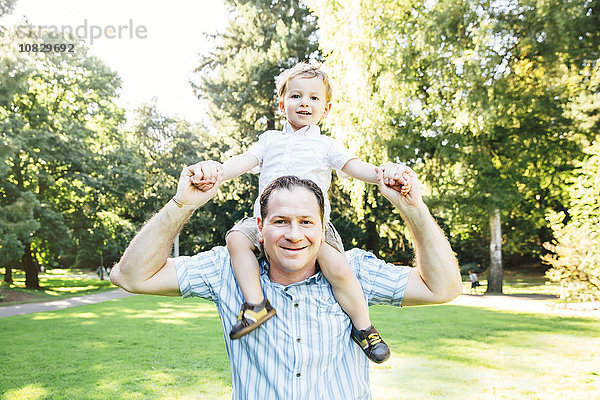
(304, 70)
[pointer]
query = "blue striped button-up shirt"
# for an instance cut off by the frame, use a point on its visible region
(305, 350)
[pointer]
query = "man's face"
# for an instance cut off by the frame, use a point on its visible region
(291, 233)
(304, 102)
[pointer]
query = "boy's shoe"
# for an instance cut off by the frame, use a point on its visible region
(251, 317)
(371, 343)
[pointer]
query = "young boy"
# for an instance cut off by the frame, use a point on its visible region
(304, 98)
(474, 281)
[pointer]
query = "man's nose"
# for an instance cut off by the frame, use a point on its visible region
(293, 233)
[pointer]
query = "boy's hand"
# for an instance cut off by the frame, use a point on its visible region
(397, 177)
(206, 174)
(198, 183)
(392, 181)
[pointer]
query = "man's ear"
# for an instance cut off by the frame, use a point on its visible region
(259, 235)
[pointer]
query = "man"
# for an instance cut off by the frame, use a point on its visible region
(306, 352)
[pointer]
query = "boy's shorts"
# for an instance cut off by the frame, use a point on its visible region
(249, 228)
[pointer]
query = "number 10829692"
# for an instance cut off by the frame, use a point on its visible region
(46, 48)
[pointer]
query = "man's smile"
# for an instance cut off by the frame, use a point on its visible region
(293, 248)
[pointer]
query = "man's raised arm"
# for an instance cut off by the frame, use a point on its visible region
(437, 277)
(145, 266)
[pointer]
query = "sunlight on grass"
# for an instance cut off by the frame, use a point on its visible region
(44, 316)
(72, 289)
(29, 392)
(85, 315)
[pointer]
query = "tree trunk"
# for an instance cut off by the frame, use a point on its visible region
(496, 273)
(31, 270)
(8, 275)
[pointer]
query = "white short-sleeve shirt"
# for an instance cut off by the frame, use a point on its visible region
(305, 153)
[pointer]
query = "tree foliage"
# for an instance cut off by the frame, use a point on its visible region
(60, 126)
(575, 257)
(475, 95)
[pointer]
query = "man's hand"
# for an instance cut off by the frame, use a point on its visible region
(399, 184)
(199, 183)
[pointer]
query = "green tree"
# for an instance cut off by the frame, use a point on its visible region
(575, 257)
(575, 251)
(60, 124)
(165, 146)
(473, 95)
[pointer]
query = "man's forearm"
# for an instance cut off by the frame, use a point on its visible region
(150, 248)
(435, 259)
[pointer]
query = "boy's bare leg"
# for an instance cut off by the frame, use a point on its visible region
(350, 296)
(245, 266)
(256, 309)
(345, 285)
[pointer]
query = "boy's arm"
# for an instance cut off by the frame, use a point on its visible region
(239, 164)
(361, 170)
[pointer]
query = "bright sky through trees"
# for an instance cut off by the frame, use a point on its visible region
(156, 63)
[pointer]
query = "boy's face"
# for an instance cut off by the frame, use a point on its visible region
(304, 102)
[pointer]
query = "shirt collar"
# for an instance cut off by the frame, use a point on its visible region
(316, 278)
(309, 130)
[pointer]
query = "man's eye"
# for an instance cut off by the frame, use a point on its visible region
(307, 222)
(279, 222)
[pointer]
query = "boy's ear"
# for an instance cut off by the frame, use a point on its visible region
(327, 109)
(281, 107)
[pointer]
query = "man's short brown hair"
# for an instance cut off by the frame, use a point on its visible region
(304, 70)
(290, 182)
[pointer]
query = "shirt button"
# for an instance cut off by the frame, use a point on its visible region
(298, 340)
(298, 375)
(296, 305)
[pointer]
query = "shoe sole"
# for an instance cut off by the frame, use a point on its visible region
(248, 329)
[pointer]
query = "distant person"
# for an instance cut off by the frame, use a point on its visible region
(308, 352)
(474, 281)
(300, 149)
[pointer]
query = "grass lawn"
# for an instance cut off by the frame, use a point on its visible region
(145, 347)
(55, 284)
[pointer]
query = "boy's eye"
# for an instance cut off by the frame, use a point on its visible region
(314, 98)
(295, 96)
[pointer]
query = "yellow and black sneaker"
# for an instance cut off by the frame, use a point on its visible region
(251, 317)
(372, 344)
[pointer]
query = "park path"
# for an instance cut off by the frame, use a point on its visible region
(522, 303)
(534, 303)
(30, 308)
